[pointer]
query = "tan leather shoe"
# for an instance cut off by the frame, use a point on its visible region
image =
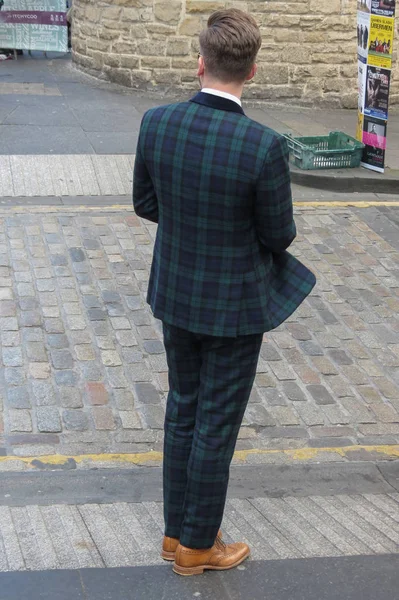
(169, 547)
(218, 558)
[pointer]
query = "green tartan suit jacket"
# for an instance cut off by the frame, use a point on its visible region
(218, 185)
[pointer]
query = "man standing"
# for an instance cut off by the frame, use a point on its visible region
(218, 185)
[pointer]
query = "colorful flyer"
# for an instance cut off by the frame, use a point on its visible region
(381, 42)
(363, 35)
(383, 8)
(34, 25)
(377, 92)
(375, 139)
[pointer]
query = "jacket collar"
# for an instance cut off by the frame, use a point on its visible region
(217, 102)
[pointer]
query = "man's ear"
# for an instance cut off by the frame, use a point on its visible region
(201, 66)
(252, 73)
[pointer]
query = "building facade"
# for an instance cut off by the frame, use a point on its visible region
(308, 54)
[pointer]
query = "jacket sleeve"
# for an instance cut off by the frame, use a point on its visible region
(145, 201)
(274, 218)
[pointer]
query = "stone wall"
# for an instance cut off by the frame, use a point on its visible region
(308, 54)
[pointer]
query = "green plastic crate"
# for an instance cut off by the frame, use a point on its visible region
(334, 151)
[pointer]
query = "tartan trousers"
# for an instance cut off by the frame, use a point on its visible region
(210, 380)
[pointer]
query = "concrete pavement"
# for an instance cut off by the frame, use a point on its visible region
(47, 107)
(352, 578)
(315, 532)
(69, 520)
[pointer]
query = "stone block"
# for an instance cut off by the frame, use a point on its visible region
(206, 6)
(159, 30)
(151, 48)
(131, 14)
(191, 25)
(168, 11)
(108, 35)
(61, 359)
(189, 76)
(178, 46)
(12, 357)
(88, 30)
(111, 12)
(150, 62)
(138, 31)
(320, 394)
(166, 77)
(110, 358)
(124, 47)
(18, 397)
(256, 414)
(14, 375)
(97, 393)
(19, 420)
(130, 420)
(70, 397)
(48, 419)
(124, 400)
(111, 60)
(43, 393)
(325, 6)
(146, 393)
(119, 25)
(75, 420)
(284, 415)
(153, 416)
(185, 62)
(103, 418)
(93, 14)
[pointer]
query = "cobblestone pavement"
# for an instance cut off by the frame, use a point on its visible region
(83, 364)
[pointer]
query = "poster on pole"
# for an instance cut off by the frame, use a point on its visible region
(381, 41)
(375, 34)
(383, 8)
(377, 92)
(34, 25)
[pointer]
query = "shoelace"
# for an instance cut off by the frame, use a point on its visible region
(220, 543)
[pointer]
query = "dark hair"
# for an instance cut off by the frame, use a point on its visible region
(230, 44)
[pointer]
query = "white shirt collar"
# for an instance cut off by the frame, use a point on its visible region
(222, 95)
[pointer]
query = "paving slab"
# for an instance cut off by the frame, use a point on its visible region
(79, 176)
(127, 534)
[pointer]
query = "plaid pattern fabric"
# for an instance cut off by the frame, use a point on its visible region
(218, 184)
(210, 383)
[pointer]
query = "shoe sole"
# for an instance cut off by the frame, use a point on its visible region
(188, 571)
(170, 556)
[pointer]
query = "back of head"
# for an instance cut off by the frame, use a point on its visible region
(229, 45)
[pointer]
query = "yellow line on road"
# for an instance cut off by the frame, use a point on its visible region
(343, 204)
(38, 208)
(383, 452)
